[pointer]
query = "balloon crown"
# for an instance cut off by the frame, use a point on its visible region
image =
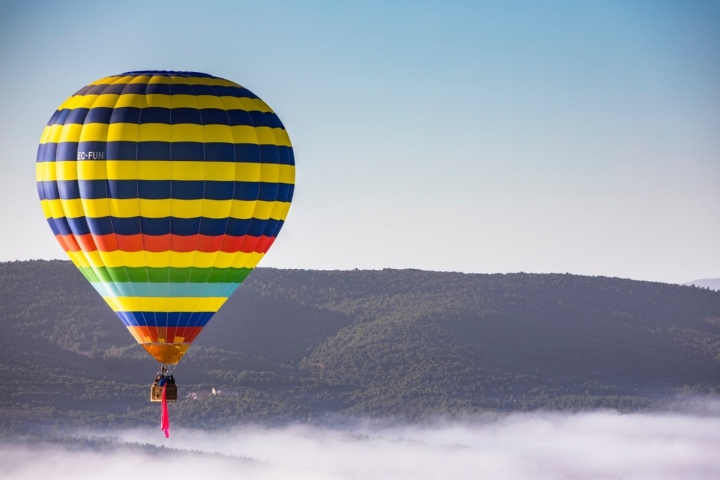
(168, 73)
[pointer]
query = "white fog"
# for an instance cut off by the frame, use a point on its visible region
(594, 445)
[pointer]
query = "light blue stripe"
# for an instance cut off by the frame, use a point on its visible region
(136, 289)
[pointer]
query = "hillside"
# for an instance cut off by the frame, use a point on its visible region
(318, 345)
(711, 283)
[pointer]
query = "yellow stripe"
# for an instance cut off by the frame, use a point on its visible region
(103, 80)
(56, 210)
(280, 210)
(52, 171)
(165, 259)
(195, 101)
(208, 304)
(262, 210)
(217, 134)
(89, 101)
(52, 209)
(79, 259)
(158, 132)
(225, 171)
(265, 136)
(73, 132)
(165, 101)
(161, 132)
(206, 81)
(44, 171)
(249, 104)
(287, 174)
(263, 170)
(75, 260)
(46, 209)
(69, 133)
(271, 172)
(134, 207)
(139, 79)
(165, 304)
(260, 105)
(247, 260)
(51, 134)
(164, 80)
(160, 101)
(164, 170)
(282, 137)
(159, 259)
(92, 132)
(134, 100)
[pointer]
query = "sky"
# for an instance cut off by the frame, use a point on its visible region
(519, 446)
(484, 137)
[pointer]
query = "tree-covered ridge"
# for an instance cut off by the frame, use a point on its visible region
(294, 344)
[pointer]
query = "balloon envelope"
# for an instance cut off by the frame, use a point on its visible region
(165, 189)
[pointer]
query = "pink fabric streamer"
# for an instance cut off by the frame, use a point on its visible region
(164, 416)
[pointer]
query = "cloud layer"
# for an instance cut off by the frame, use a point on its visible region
(598, 445)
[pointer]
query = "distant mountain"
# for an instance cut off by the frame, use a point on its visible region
(317, 345)
(711, 283)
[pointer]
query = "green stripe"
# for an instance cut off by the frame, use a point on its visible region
(165, 275)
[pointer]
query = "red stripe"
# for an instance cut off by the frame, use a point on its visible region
(264, 244)
(63, 242)
(168, 333)
(164, 243)
(86, 243)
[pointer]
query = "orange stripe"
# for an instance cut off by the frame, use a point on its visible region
(164, 243)
(168, 333)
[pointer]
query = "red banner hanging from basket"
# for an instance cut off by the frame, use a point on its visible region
(164, 416)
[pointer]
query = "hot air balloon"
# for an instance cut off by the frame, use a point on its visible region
(165, 189)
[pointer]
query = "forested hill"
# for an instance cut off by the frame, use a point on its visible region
(299, 345)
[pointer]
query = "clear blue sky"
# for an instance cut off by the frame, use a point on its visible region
(579, 137)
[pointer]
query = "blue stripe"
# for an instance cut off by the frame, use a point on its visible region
(193, 290)
(164, 73)
(54, 228)
(286, 156)
(114, 89)
(165, 319)
(163, 189)
(164, 89)
(48, 190)
(273, 229)
(175, 116)
(56, 116)
(77, 116)
(259, 119)
(93, 115)
(46, 152)
(163, 226)
(181, 151)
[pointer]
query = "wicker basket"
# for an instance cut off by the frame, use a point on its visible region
(171, 393)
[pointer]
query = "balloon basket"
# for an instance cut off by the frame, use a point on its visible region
(171, 393)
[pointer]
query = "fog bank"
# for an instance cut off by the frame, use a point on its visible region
(595, 445)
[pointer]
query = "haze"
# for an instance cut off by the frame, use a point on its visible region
(472, 136)
(605, 444)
